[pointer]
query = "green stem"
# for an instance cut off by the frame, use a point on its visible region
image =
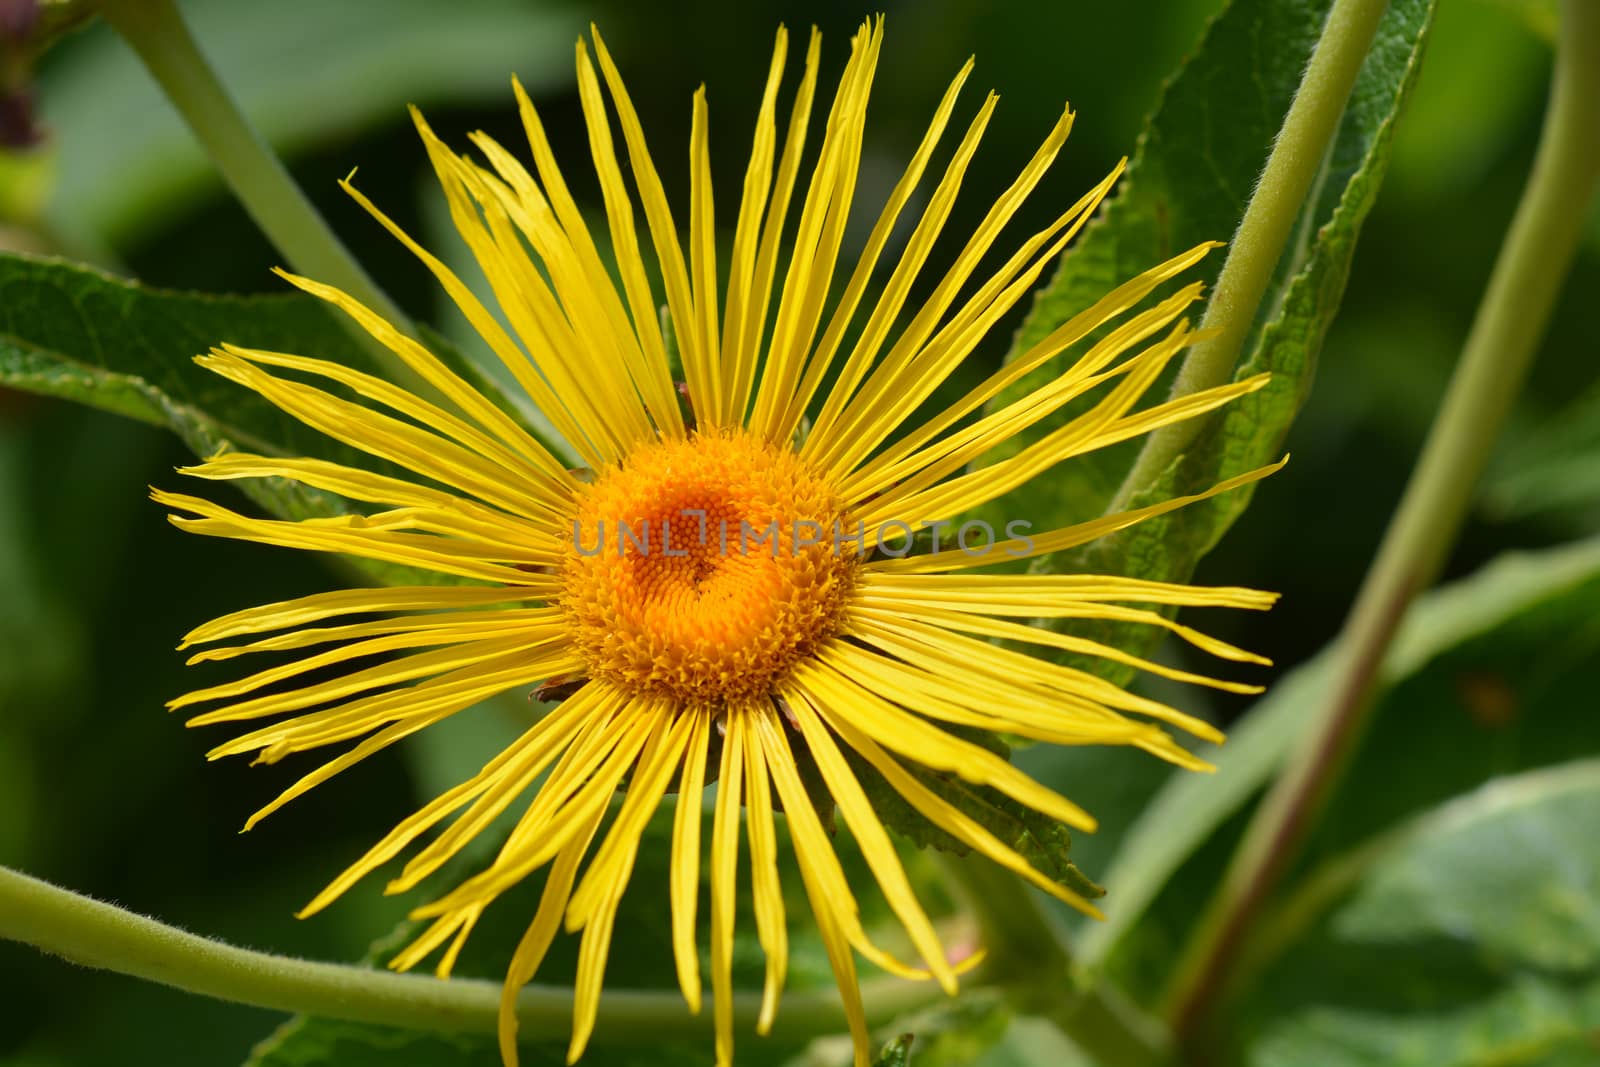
(1538, 249)
(1029, 954)
(156, 31)
(1278, 201)
(101, 935)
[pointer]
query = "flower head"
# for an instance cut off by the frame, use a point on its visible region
(724, 587)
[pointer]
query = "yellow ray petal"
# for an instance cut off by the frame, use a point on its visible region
(708, 394)
(816, 243)
(541, 931)
(766, 889)
(445, 511)
(551, 820)
(772, 229)
(838, 697)
(918, 453)
(928, 685)
(588, 296)
(487, 327)
(477, 466)
(535, 625)
(448, 621)
(1134, 379)
(685, 885)
(955, 822)
(593, 905)
(539, 742)
(1069, 333)
(483, 411)
(597, 392)
(613, 861)
(624, 238)
(972, 592)
(350, 536)
(977, 624)
(1066, 537)
(861, 421)
(697, 362)
(477, 677)
(724, 877)
(932, 629)
(831, 901)
(905, 266)
(739, 330)
(285, 614)
(869, 833)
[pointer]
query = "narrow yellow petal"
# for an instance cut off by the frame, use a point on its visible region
(285, 614)
(593, 906)
(685, 885)
(845, 431)
(349, 536)
(613, 861)
(1066, 537)
(482, 410)
(541, 931)
(724, 878)
(879, 851)
(766, 889)
(489, 328)
(653, 197)
(837, 697)
(844, 311)
(831, 901)
(740, 331)
(540, 740)
(706, 378)
(772, 230)
(915, 462)
(955, 822)
(816, 243)
(476, 465)
(935, 627)
(1069, 333)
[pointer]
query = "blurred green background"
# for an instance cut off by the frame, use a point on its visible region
(103, 792)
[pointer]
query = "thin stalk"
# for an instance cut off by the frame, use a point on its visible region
(100, 935)
(1028, 954)
(155, 29)
(1538, 249)
(1269, 220)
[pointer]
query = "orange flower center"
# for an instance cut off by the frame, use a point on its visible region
(704, 568)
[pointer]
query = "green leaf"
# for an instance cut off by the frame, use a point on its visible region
(1190, 808)
(981, 1028)
(896, 1053)
(1535, 903)
(1189, 181)
(1529, 1024)
(1552, 470)
(1508, 877)
(354, 63)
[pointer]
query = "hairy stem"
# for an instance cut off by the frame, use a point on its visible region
(1269, 220)
(1029, 955)
(1522, 289)
(100, 935)
(156, 31)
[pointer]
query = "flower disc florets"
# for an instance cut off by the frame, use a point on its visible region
(704, 568)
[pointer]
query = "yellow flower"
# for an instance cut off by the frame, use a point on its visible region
(713, 583)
